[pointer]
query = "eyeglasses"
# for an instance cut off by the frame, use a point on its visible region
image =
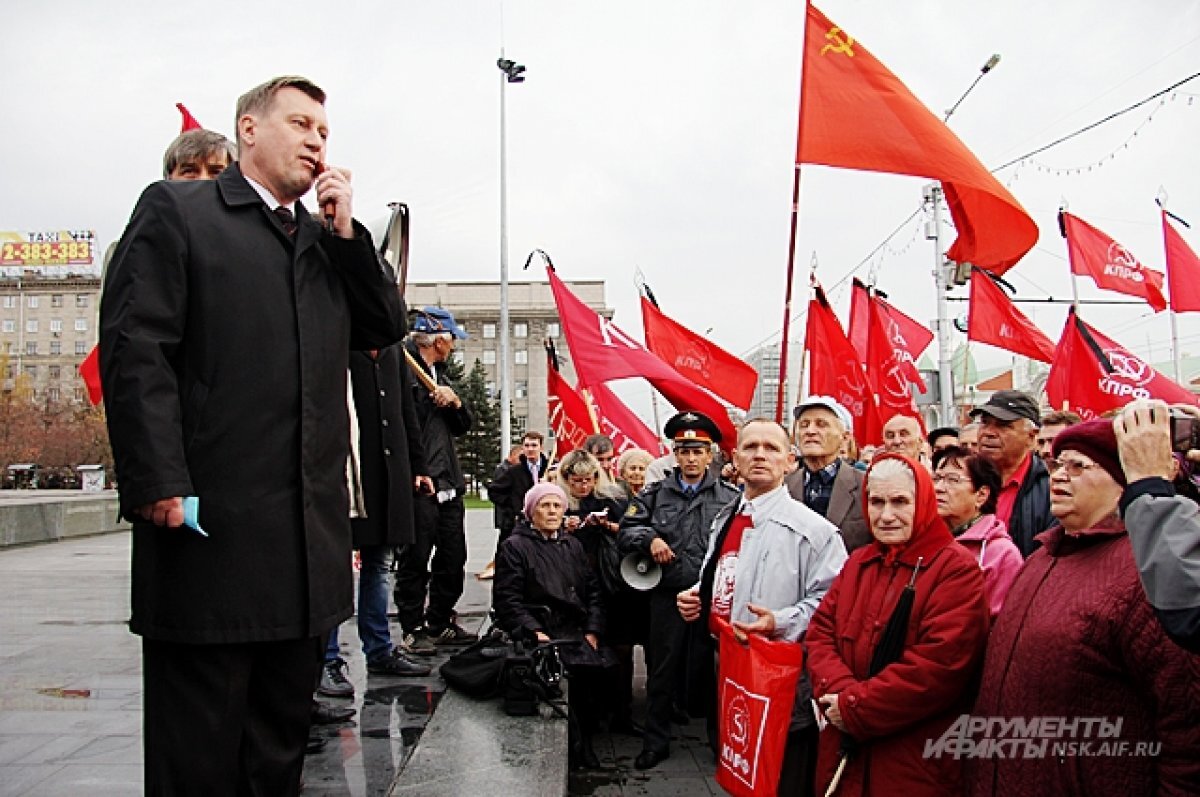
(1074, 468)
(950, 479)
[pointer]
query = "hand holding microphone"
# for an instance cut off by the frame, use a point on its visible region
(334, 196)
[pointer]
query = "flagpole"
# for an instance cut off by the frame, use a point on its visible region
(787, 296)
(587, 397)
(1161, 200)
(948, 417)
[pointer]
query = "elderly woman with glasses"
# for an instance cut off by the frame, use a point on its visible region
(966, 486)
(1077, 649)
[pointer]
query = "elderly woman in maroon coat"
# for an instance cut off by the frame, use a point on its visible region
(1077, 639)
(887, 694)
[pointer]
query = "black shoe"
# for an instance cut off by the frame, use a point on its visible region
(325, 714)
(396, 663)
(334, 682)
(417, 643)
(452, 635)
(649, 759)
(315, 745)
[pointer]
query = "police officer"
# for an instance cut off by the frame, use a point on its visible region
(671, 521)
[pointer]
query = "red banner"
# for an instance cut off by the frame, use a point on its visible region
(697, 358)
(860, 318)
(1092, 374)
(189, 121)
(891, 365)
(89, 371)
(567, 412)
(855, 114)
(992, 318)
(1183, 270)
(835, 369)
(1110, 265)
(623, 427)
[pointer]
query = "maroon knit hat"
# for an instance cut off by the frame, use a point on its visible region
(1095, 440)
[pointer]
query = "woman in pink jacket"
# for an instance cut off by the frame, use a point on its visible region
(966, 486)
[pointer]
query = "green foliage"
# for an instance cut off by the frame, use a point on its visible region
(479, 449)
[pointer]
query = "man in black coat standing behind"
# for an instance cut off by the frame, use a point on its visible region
(226, 325)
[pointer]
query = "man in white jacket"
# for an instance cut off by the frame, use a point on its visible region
(769, 564)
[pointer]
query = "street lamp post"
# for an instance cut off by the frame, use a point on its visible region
(510, 72)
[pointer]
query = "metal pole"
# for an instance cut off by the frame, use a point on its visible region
(505, 392)
(1175, 347)
(945, 355)
(787, 299)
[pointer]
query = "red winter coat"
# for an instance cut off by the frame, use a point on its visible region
(917, 697)
(1078, 639)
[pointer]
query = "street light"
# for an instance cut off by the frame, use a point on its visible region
(510, 72)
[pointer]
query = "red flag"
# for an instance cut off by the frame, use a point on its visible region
(891, 366)
(1112, 266)
(993, 318)
(1092, 374)
(697, 358)
(602, 353)
(622, 426)
(89, 369)
(860, 317)
(189, 121)
(905, 334)
(567, 413)
(835, 369)
(855, 114)
(1183, 270)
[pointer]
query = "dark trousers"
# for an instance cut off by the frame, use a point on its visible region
(665, 651)
(438, 531)
(227, 719)
(798, 775)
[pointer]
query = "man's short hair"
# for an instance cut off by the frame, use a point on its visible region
(258, 99)
(533, 435)
(194, 146)
(1061, 418)
(767, 420)
(598, 444)
(425, 340)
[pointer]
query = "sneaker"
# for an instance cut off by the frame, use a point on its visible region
(417, 643)
(334, 682)
(396, 663)
(453, 634)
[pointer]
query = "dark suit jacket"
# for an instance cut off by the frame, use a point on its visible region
(389, 446)
(845, 503)
(507, 490)
(224, 348)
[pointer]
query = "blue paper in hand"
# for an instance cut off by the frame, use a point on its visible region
(191, 514)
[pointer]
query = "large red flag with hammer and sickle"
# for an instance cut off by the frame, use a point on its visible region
(855, 114)
(1110, 265)
(1093, 374)
(993, 318)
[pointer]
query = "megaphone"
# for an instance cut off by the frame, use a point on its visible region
(640, 572)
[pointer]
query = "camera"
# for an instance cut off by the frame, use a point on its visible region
(1185, 431)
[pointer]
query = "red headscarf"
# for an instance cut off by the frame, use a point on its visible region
(930, 533)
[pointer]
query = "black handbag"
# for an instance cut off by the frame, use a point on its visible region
(477, 670)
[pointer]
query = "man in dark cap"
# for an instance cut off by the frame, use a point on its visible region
(671, 521)
(1007, 436)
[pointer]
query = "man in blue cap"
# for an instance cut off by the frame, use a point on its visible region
(426, 592)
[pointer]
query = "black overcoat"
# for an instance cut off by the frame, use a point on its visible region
(224, 349)
(389, 446)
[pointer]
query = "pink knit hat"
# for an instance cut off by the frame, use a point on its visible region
(539, 491)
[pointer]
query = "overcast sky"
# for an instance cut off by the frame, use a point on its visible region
(653, 135)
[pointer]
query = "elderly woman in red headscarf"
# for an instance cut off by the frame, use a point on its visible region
(895, 646)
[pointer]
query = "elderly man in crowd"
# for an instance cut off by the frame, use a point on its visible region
(1008, 429)
(769, 564)
(902, 435)
(968, 437)
(825, 483)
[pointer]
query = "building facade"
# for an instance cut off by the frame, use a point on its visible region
(48, 324)
(765, 360)
(533, 318)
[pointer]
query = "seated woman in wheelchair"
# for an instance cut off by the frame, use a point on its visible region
(546, 590)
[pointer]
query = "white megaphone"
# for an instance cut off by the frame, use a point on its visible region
(640, 572)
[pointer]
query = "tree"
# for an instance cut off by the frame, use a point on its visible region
(479, 449)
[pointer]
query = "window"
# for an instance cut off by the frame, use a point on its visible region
(10, 325)
(31, 347)
(489, 330)
(10, 371)
(52, 394)
(31, 325)
(56, 325)
(56, 300)
(32, 302)
(489, 356)
(55, 371)
(521, 390)
(81, 347)
(81, 325)
(552, 329)
(30, 371)
(521, 330)
(10, 301)
(81, 300)
(521, 357)
(522, 422)
(56, 347)
(78, 394)
(490, 387)
(457, 356)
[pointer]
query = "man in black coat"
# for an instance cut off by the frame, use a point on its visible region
(508, 489)
(389, 465)
(226, 324)
(427, 590)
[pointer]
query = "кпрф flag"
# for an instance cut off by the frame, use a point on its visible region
(835, 369)
(855, 114)
(992, 318)
(1112, 266)
(1092, 374)
(698, 358)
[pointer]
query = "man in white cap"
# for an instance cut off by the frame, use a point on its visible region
(823, 482)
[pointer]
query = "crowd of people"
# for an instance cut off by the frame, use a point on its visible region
(1029, 578)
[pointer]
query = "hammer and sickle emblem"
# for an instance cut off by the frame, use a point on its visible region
(838, 45)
